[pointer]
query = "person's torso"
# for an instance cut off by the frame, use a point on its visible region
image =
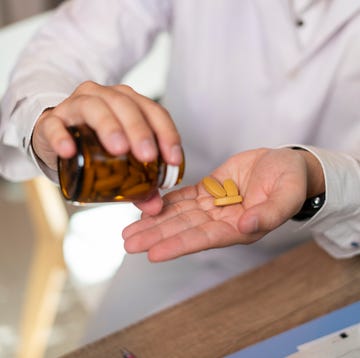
(241, 78)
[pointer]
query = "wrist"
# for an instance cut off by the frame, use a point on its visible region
(315, 195)
(310, 207)
(314, 173)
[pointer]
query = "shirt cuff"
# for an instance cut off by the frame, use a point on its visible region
(20, 127)
(336, 226)
(335, 250)
(42, 167)
(24, 116)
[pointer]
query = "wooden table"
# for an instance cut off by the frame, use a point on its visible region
(294, 288)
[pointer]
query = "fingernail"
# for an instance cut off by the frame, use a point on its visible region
(176, 154)
(147, 148)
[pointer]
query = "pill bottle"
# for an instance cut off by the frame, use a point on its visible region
(95, 176)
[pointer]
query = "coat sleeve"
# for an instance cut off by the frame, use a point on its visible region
(336, 227)
(83, 40)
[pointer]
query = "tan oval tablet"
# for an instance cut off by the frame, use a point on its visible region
(228, 200)
(213, 187)
(230, 187)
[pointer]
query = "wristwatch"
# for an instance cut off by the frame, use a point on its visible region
(310, 208)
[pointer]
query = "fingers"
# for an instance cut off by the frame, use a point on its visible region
(151, 206)
(55, 133)
(96, 113)
(160, 121)
(50, 138)
(123, 120)
(158, 231)
(174, 204)
(145, 123)
(188, 223)
(185, 234)
(206, 236)
(171, 204)
(173, 218)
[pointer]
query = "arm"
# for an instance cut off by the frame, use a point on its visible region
(336, 227)
(275, 184)
(84, 40)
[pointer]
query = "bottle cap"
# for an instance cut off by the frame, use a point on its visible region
(171, 176)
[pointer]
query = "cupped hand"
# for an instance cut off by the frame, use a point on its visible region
(122, 118)
(274, 184)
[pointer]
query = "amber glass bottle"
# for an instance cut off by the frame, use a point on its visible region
(95, 176)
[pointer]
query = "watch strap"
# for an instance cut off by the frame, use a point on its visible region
(310, 208)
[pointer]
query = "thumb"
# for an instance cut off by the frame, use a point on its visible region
(268, 215)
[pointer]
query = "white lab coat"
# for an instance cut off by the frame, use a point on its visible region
(238, 78)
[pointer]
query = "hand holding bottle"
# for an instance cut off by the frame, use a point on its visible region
(123, 119)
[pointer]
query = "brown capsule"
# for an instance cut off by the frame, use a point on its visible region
(94, 175)
(134, 179)
(137, 190)
(108, 183)
(102, 171)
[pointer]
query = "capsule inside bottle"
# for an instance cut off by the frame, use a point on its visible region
(95, 176)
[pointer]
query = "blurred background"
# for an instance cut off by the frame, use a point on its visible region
(18, 242)
(16, 254)
(15, 10)
(56, 260)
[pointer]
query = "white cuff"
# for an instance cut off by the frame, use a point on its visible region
(24, 116)
(335, 250)
(336, 226)
(17, 138)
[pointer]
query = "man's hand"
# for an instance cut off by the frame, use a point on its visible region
(274, 184)
(123, 120)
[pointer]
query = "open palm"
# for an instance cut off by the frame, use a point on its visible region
(273, 183)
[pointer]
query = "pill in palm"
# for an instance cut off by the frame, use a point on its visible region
(228, 200)
(224, 194)
(230, 187)
(213, 187)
